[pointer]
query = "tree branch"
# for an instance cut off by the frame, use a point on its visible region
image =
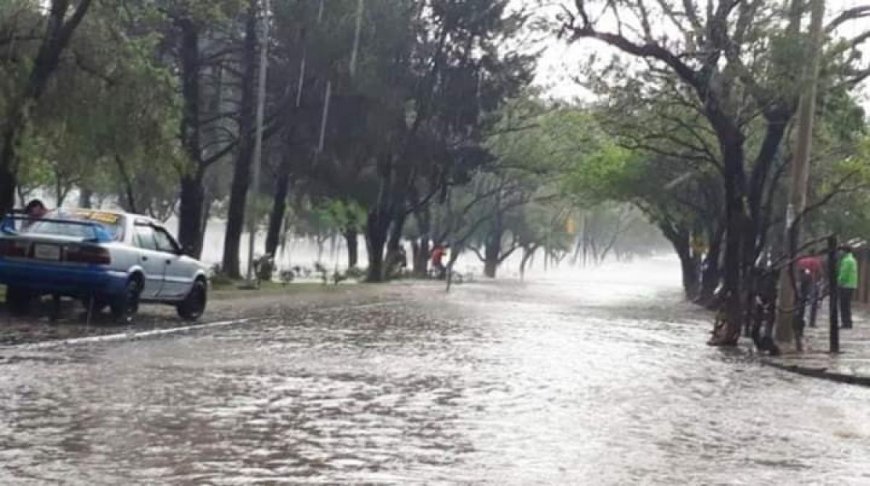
(477, 252)
(507, 254)
(847, 15)
(648, 50)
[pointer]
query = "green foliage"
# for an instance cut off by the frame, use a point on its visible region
(611, 173)
(848, 213)
(344, 214)
(327, 217)
(107, 120)
(543, 225)
(730, 86)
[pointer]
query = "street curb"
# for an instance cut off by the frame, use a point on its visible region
(821, 373)
(128, 336)
(151, 333)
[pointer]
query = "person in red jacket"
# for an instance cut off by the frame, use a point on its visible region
(811, 275)
(438, 260)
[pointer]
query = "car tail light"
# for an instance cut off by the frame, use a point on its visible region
(13, 249)
(95, 255)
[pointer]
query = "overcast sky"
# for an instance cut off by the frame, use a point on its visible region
(560, 61)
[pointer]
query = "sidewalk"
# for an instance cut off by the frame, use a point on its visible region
(852, 365)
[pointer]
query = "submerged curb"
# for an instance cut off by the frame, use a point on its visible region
(816, 372)
(145, 334)
(128, 336)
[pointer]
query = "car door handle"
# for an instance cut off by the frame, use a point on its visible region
(144, 258)
(169, 262)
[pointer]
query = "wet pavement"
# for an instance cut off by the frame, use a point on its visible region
(599, 380)
(72, 323)
(850, 365)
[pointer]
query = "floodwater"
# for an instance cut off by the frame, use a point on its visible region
(602, 379)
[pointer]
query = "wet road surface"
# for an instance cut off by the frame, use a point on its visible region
(591, 381)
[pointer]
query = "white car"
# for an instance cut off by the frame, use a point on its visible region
(104, 258)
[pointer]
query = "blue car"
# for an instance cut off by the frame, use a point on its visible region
(103, 258)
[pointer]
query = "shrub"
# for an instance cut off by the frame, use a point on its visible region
(264, 267)
(355, 273)
(287, 276)
(218, 277)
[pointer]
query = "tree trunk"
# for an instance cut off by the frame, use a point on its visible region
(128, 194)
(593, 246)
(190, 214)
(421, 257)
(279, 207)
(396, 232)
(351, 240)
(391, 199)
(586, 223)
(689, 267)
(415, 255)
(333, 247)
(377, 226)
(319, 239)
(394, 242)
(528, 253)
(421, 246)
(8, 171)
(86, 198)
(738, 237)
(578, 245)
(679, 238)
(207, 206)
(190, 208)
(491, 253)
(242, 170)
(59, 192)
(711, 277)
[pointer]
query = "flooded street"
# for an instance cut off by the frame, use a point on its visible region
(603, 379)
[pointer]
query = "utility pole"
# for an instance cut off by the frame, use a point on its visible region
(258, 141)
(784, 331)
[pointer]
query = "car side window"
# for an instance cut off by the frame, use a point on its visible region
(144, 237)
(165, 243)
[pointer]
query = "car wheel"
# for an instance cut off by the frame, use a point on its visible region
(193, 306)
(126, 305)
(18, 300)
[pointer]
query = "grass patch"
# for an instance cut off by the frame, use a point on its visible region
(240, 285)
(232, 290)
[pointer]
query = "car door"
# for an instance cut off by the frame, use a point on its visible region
(151, 260)
(178, 272)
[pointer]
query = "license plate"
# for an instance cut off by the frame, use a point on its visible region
(46, 252)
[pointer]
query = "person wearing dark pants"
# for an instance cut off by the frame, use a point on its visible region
(806, 299)
(847, 281)
(812, 276)
(846, 307)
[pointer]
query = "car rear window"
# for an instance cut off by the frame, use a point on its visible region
(113, 223)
